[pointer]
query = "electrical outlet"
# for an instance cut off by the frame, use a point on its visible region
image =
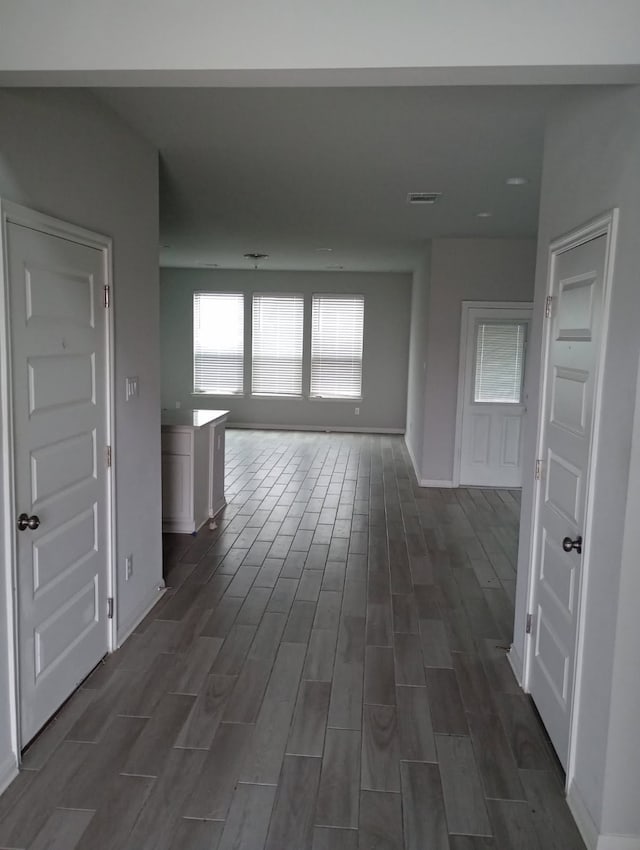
(356, 410)
(128, 567)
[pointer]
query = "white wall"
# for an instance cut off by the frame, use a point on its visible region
(462, 270)
(7, 759)
(303, 34)
(591, 165)
(385, 347)
(420, 291)
(65, 155)
(623, 750)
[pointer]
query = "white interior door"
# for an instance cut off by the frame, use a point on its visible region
(58, 355)
(574, 341)
(491, 398)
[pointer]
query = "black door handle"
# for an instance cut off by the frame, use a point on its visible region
(568, 544)
(25, 521)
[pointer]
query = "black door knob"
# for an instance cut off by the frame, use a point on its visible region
(25, 521)
(568, 544)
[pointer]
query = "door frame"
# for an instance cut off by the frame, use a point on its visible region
(604, 225)
(11, 213)
(467, 307)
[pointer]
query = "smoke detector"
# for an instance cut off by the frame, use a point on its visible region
(423, 198)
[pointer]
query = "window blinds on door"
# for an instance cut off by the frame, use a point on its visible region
(218, 343)
(336, 346)
(499, 369)
(277, 345)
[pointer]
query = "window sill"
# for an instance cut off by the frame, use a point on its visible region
(257, 396)
(349, 400)
(218, 395)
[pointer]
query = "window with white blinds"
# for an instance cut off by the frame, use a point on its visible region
(337, 324)
(500, 350)
(276, 365)
(218, 343)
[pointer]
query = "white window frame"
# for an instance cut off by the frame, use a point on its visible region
(346, 296)
(287, 296)
(498, 321)
(210, 393)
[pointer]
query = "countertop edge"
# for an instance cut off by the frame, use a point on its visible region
(217, 416)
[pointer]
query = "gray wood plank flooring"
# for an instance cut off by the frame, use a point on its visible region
(326, 671)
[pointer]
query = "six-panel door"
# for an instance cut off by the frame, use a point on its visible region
(58, 352)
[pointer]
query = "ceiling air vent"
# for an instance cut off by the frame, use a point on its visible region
(422, 198)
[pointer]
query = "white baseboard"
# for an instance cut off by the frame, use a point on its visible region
(618, 842)
(8, 772)
(322, 429)
(589, 831)
(582, 817)
(139, 616)
(412, 459)
(515, 662)
(171, 526)
(426, 482)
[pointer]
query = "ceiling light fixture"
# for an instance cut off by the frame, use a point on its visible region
(334, 268)
(256, 257)
(484, 214)
(323, 250)
(423, 198)
(516, 181)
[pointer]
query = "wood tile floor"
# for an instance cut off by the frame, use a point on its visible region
(326, 671)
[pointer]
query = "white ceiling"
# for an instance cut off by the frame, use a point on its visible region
(286, 171)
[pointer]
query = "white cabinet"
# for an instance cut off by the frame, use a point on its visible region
(192, 468)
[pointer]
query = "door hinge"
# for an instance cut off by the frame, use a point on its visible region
(538, 472)
(107, 295)
(108, 455)
(528, 625)
(110, 608)
(548, 306)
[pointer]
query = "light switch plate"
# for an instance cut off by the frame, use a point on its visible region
(131, 387)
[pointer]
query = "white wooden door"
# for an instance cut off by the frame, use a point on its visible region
(58, 355)
(568, 407)
(493, 353)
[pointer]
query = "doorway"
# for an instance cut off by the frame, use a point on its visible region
(58, 485)
(491, 401)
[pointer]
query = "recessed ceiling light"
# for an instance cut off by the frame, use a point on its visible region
(256, 255)
(423, 198)
(324, 250)
(516, 181)
(485, 214)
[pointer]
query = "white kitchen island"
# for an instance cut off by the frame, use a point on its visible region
(192, 468)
